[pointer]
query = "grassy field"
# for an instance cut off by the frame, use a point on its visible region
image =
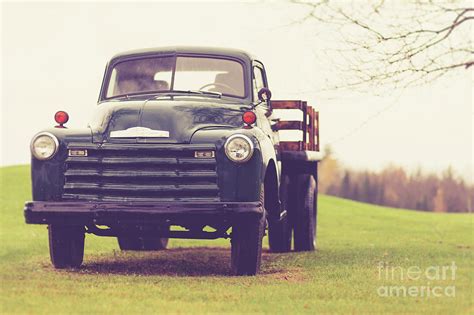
(343, 276)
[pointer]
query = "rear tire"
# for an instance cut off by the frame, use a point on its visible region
(129, 243)
(155, 243)
(305, 219)
(140, 243)
(66, 245)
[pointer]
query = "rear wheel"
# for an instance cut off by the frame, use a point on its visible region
(142, 243)
(134, 242)
(305, 218)
(246, 243)
(66, 245)
(129, 243)
(155, 243)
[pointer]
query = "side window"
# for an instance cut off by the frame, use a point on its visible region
(258, 82)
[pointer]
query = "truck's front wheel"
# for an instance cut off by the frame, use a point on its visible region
(246, 244)
(66, 245)
(279, 231)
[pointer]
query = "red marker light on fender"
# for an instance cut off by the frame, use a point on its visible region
(249, 117)
(61, 118)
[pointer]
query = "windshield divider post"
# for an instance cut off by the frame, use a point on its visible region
(174, 72)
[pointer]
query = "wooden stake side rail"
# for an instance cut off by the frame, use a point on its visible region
(309, 126)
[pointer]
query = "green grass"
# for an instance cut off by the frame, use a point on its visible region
(191, 277)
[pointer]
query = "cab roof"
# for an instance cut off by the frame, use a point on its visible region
(188, 50)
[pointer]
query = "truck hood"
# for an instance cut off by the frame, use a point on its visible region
(162, 120)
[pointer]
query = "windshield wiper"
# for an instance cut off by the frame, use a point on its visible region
(160, 93)
(218, 94)
(194, 92)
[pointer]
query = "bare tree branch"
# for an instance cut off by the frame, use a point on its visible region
(394, 43)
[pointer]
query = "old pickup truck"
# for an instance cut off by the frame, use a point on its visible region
(184, 143)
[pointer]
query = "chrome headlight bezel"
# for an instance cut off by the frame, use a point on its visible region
(247, 140)
(55, 142)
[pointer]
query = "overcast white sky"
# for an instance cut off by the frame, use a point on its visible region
(53, 57)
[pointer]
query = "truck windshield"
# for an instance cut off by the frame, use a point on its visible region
(155, 74)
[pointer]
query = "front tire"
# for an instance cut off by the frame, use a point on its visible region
(66, 245)
(305, 219)
(246, 243)
(279, 232)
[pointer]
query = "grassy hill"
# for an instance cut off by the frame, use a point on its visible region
(343, 276)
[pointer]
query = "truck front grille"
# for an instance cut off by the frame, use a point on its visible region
(140, 172)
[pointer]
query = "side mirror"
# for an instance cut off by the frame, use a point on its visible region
(264, 95)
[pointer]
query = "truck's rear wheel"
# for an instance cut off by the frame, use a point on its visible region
(155, 243)
(66, 245)
(136, 242)
(305, 218)
(142, 243)
(279, 232)
(129, 243)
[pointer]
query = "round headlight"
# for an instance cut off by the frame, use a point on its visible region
(239, 148)
(44, 146)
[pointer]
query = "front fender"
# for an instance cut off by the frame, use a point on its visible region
(47, 176)
(238, 181)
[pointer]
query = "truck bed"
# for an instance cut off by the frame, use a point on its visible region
(307, 147)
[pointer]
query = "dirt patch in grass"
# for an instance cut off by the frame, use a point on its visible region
(184, 262)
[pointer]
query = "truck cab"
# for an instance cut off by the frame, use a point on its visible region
(181, 137)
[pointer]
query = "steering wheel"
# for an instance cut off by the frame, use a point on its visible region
(221, 85)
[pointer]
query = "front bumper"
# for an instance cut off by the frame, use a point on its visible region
(117, 213)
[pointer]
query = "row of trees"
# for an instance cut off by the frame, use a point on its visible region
(394, 187)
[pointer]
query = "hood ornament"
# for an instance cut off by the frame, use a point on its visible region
(140, 132)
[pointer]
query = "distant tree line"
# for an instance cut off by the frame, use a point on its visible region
(394, 187)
